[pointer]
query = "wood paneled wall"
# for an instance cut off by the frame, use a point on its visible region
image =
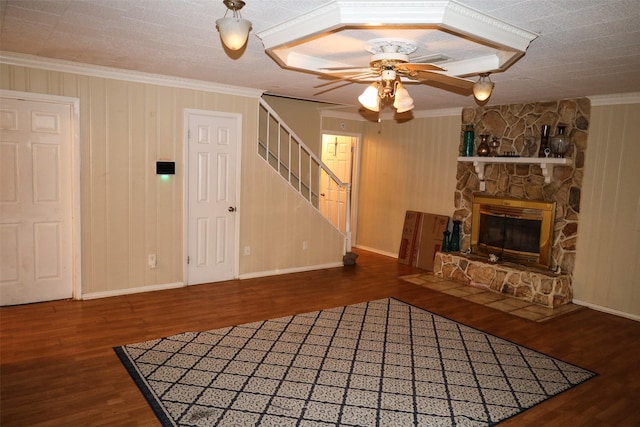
(128, 212)
(405, 166)
(607, 269)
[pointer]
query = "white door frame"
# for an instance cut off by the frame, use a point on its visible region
(185, 156)
(76, 238)
(355, 176)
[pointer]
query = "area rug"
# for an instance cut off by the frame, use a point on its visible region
(377, 363)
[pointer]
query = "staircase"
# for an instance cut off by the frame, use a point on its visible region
(285, 152)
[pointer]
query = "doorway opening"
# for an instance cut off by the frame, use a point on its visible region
(340, 153)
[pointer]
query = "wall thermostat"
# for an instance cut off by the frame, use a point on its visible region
(165, 168)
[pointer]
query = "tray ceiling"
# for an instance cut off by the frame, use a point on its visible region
(584, 47)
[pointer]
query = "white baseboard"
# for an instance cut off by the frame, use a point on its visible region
(607, 310)
(128, 291)
(377, 251)
(289, 270)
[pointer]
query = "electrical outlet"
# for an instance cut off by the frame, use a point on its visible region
(247, 250)
(305, 245)
(153, 261)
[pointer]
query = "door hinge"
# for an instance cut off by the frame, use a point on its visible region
(188, 259)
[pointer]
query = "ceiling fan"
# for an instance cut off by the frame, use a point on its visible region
(389, 66)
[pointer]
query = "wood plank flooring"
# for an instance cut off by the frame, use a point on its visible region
(58, 367)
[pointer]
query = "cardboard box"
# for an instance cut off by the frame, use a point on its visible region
(409, 242)
(430, 238)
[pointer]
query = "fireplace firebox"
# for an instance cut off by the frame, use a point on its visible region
(513, 229)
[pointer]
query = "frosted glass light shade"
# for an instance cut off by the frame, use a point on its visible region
(403, 102)
(482, 89)
(370, 99)
(233, 31)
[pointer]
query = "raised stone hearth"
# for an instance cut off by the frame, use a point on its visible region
(536, 286)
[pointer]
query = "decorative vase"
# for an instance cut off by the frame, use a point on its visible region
(454, 244)
(446, 242)
(544, 141)
(469, 138)
(483, 147)
(495, 144)
(560, 142)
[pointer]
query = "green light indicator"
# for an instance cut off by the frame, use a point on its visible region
(165, 177)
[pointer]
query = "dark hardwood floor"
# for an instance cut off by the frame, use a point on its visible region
(59, 368)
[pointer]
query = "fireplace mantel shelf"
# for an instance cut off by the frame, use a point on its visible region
(546, 164)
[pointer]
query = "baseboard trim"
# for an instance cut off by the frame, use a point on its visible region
(377, 251)
(128, 291)
(289, 270)
(607, 310)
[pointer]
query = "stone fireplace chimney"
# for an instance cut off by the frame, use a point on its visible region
(518, 129)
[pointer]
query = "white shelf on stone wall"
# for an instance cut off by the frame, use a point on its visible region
(546, 164)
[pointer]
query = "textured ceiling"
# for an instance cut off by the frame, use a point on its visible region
(584, 47)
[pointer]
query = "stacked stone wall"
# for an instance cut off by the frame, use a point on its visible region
(518, 128)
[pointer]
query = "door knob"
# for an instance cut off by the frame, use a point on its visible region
(232, 209)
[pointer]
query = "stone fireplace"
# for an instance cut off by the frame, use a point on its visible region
(518, 129)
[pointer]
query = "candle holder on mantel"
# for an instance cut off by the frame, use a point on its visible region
(544, 142)
(495, 144)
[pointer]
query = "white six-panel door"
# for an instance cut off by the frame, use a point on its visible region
(336, 154)
(35, 202)
(213, 140)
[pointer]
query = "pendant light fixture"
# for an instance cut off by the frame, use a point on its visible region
(234, 30)
(483, 87)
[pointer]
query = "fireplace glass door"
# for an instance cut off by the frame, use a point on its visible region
(513, 229)
(499, 233)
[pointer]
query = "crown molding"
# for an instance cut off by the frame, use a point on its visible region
(615, 99)
(62, 66)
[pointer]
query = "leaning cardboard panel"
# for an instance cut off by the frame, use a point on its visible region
(409, 243)
(430, 238)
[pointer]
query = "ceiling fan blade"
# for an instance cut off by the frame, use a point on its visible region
(351, 78)
(426, 76)
(346, 83)
(419, 67)
(354, 69)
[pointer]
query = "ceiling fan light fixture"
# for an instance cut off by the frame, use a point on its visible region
(234, 31)
(483, 87)
(370, 98)
(403, 101)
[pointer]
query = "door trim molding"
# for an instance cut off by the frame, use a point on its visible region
(76, 237)
(185, 167)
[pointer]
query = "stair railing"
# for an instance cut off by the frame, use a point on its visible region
(281, 148)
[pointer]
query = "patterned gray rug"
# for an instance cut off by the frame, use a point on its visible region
(378, 363)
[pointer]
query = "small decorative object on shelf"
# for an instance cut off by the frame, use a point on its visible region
(446, 242)
(560, 142)
(468, 143)
(483, 147)
(454, 244)
(544, 141)
(495, 144)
